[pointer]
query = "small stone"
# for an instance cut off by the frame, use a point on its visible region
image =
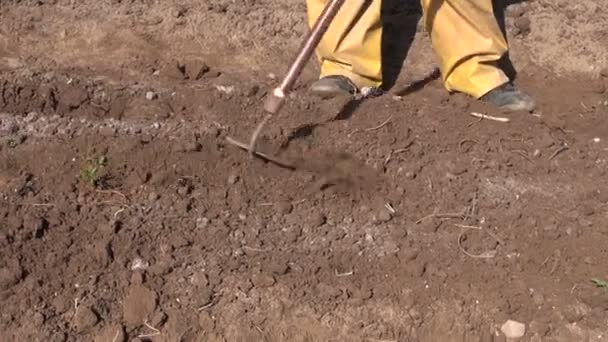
(416, 269)
(153, 197)
(575, 313)
(523, 24)
(263, 280)
(206, 322)
(570, 14)
(60, 305)
(196, 69)
(232, 179)
(384, 216)
(178, 12)
(604, 72)
(202, 223)
(278, 267)
(159, 319)
(139, 264)
(8, 126)
(414, 314)
(538, 298)
(37, 226)
(107, 131)
(174, 70)
(284, 208)
(150, 96)
(184, 190)
(515, 11)
(598, 87)
(38, 319)
(317, 220)
(513, 329)
(251, 91)
(10, 275)
(212, 74)
(85, 319)
(410, 175)
(190, 146)
(409, 254)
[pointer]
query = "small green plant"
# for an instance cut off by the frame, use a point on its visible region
(600, 283)
(90, 172)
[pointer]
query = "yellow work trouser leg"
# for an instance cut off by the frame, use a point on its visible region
(352, 46)
(468, 41)
(464, 34)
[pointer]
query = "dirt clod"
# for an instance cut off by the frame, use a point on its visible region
(139, 305)
(10, 274)
(523, 24)
(263, 280)
(196, 69)
(85, 319)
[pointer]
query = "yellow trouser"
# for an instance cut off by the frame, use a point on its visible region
(464, 34)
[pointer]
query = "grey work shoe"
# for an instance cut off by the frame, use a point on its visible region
(336, 85)
(510, 98)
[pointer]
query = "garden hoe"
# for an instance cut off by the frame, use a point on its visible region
(274, 102)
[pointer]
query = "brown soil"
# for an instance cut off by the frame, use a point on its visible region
(126, 216)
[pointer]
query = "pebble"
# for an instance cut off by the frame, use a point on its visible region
(150, 95)
(262, 280)
(284, 207)
(10, 275)
(205, 321)
(575, 313)
(523, 24)
(85, 319)
(513, 329)
(317, 220)
(139, 264)
(515, 11)
(159, 319)
(153, 196)
(178, 11)
(232, 179)
(202, 222)
(598, 87)
(384, 216)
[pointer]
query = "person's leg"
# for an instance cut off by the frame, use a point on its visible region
(469, 43)
(350, 51)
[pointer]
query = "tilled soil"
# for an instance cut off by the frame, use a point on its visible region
(126, 215)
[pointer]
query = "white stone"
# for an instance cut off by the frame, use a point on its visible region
(513, 329)
(150, 96)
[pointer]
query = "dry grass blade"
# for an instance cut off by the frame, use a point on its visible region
(380, 125)
(484, 255)
(490, 117)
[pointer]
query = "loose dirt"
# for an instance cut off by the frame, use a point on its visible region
(125, 215)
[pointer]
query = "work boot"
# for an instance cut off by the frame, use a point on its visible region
(510, 98)
(336, 85)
